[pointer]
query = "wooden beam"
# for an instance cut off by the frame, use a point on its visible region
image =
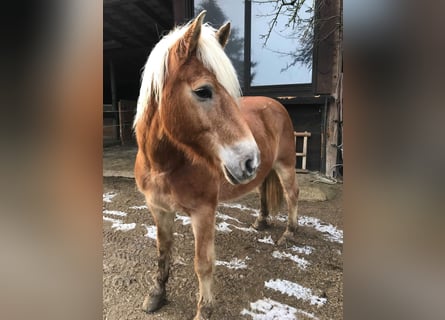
(164, 24)
(111, 33)
(302, 134)
(124, 29)
(114, 3)
(128, 13)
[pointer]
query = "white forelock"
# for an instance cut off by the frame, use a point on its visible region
(209, 52)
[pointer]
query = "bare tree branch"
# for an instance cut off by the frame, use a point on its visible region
(271, 26)
(298, 27)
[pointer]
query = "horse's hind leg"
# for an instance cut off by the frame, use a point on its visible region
(261, 222)
(290, 188)
(164, 223)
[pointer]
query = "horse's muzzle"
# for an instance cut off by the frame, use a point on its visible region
(240, 162)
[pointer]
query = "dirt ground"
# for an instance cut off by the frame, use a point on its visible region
(254, 278)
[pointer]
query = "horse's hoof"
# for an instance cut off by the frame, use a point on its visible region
(260, 225)
(204, 313)
(288, 236)
(153, 302)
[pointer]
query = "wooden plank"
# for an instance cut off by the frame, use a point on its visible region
(302, 134)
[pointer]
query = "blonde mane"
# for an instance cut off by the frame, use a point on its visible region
(209, 52)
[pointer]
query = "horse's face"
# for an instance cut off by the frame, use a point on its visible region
(200, 115)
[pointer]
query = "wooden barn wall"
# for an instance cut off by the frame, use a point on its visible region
(308, 118)
(325, 47)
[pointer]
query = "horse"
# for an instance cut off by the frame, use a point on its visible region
(200, 142)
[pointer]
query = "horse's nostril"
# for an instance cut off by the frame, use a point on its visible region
(249, 166)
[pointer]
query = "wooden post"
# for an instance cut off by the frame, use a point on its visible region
(303, 163)
(323, 136)
(331, 139)
(114, 107)
(303, 154)
(334, 111)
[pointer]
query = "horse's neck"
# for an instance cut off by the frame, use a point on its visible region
(160, 152)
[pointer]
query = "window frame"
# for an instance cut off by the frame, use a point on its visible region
(276, 90)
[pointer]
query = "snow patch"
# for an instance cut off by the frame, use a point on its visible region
(255, 212)
(267, 239)
(115, 213)
(185, 219)
(224, 227)
(151, 231)
(225, 217)
(302, 263)
(139, 207)
(281, 218)
(250, 229)
(331, 233)
(235, 263)
(107, 197)
(268, 309)
(302, 250)
(119, 225)
(295, 290)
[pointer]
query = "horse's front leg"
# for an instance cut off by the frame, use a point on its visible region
(203, 223)
(164, 223)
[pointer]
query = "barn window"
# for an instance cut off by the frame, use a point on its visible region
(219, 12)
(267, 63)
(275, 51)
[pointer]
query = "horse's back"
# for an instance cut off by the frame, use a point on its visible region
(271, 126)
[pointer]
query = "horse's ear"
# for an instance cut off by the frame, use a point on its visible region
(223, 34)
(188, 44)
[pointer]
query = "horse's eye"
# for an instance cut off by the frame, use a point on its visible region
(204, 92)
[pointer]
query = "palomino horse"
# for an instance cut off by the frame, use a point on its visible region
(199, 143)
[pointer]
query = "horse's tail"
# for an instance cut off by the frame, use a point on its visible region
(274, 192)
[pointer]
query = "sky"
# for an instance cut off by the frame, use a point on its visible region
(269, 64)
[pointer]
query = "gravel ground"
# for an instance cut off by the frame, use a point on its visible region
(254, 278)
